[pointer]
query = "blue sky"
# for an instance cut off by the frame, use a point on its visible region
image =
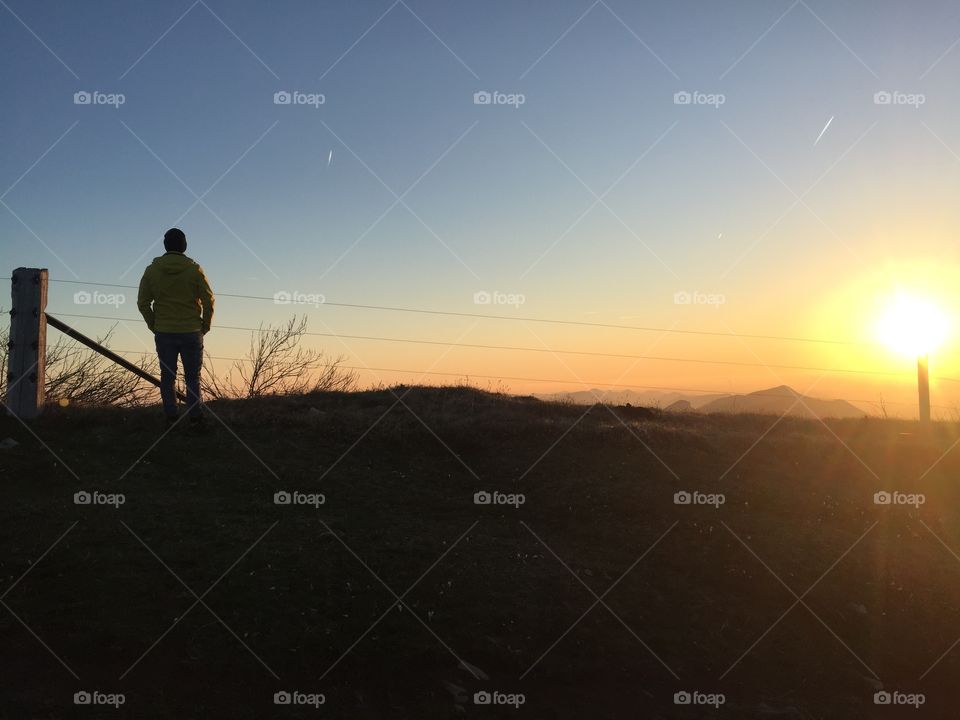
(708, 202)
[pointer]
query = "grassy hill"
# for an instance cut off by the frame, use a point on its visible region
(694, 597)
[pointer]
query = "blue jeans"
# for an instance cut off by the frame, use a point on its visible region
(189, 348)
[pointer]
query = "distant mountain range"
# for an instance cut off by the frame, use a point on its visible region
(647, 398)
(778, 400)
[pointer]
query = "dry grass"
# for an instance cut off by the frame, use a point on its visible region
(399, 479)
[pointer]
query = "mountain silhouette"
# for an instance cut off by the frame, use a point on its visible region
(783, 400)
(778, 400)
(647, 398)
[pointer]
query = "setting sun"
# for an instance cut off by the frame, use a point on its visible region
(912, 325)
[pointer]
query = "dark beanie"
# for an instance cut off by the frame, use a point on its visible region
(174, 240)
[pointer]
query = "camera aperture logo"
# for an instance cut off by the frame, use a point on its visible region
(696, 697)
(897, 697)
(82, 297)
(285, 297)
(96, 497)
(295, 497)
(682, 297)
(295, 697)
(485, 97)
(496, 497)
(95, 697)
(297, 97)
(896, 497)
(495, 297)
(495, 697)
(698, 498)
(95, 97)
(684, 97)
(896, 97)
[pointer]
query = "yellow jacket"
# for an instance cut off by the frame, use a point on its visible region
(175, 296)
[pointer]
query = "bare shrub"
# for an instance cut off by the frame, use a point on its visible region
(276, 364)
(76, 374)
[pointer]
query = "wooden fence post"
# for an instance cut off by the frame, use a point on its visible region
(923, 384)
(26, 366)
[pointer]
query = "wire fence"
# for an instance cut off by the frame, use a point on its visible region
(552, 351)
(554, 381)
(540, 350)
(516, 318)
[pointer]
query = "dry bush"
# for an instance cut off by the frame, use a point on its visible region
(76, 374)
(276, 364)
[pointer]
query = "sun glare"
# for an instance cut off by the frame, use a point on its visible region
(912, 325)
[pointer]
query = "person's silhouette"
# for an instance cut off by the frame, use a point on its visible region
(176, 302)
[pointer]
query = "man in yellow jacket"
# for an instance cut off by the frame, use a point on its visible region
(176, 302)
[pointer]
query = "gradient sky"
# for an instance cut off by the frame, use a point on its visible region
(801, 237)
